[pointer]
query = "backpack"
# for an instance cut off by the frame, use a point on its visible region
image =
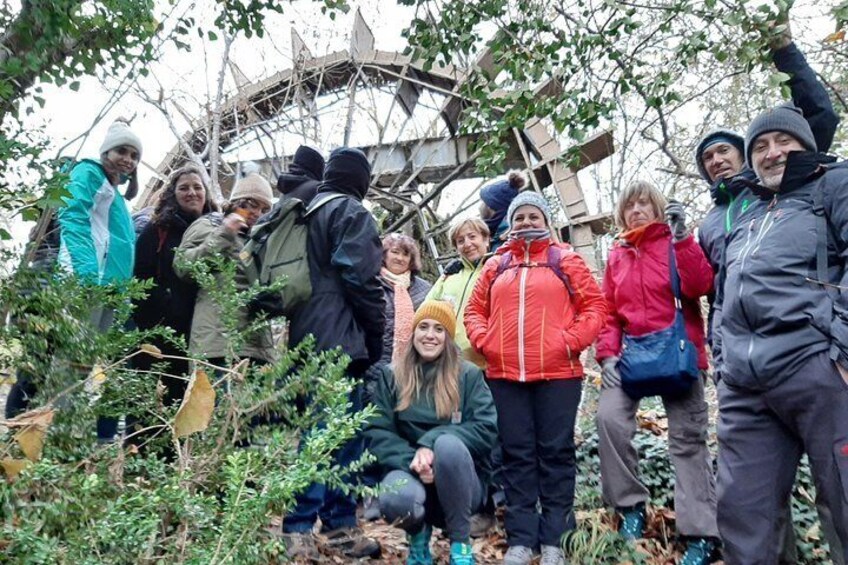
(554, 256)
(277, 247)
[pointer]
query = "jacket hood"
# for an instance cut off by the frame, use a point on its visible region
(801, 167)
(308, 163)
(723, 191)
(348, 171)
(297, 186)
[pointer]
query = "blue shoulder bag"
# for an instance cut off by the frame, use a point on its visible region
(664, 362)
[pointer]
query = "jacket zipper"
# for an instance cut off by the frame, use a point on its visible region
(522, 377)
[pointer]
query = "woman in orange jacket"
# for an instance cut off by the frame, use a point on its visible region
(535, 307)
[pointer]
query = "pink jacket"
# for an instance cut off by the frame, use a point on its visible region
(637, 287)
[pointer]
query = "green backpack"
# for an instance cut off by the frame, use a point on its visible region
(276, 248)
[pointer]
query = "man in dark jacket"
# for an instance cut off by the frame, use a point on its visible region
(784, 387)
(346, 310)
(304, 175)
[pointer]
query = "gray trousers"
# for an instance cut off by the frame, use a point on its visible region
(449, 502)
(694, 485)
(762, 435)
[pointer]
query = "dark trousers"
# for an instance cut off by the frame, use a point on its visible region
(762, 435)
(536, 424)
(335, 508)
(448, 503)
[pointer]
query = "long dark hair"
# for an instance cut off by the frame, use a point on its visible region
(166, 210)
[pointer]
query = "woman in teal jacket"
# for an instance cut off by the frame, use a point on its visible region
(434, 427)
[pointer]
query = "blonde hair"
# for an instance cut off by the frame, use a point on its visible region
(474, 223)
(638, 189)
(445, 389)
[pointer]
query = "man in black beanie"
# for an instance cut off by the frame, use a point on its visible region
(304, 175)
(784, 384)
(346, 310)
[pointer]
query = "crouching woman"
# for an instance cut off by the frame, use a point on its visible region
(434, 427)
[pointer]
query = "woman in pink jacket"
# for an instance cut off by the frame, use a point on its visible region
(637, 286)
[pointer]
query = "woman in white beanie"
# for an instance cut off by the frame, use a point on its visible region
(224, 235)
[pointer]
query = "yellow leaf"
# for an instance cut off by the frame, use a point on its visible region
(196, 410)
(151, 349)
(835, 37)
(31, 441)
(14, 466)
(97, 376)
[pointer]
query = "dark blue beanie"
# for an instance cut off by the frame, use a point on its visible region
(498, 195)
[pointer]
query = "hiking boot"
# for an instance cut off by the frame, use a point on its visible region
(300, 545)
(552, 555)
(698, 552)
(461, 554)
(351, 542)
(481, 524)
(518, 555)
(632, 525)
(419, 547)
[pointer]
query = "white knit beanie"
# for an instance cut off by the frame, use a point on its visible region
(252, 186)
(119, 133)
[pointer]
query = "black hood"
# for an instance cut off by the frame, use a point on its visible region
(348, 171)
(308, 163)
(801, 168)
(725, 190)
(297, 186)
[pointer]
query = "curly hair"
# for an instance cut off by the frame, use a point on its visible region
(406, 244)
(167, 208)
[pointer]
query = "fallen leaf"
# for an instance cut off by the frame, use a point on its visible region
(42, 417)
(14, 466)
(31, 441)
(151, 349)
(196, 410)
(835, 37)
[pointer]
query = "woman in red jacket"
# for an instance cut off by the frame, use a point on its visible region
(535, 307)
(637, 286)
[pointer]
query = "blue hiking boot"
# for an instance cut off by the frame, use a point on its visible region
(419, 547)
(461, 554)
(632, 525)
(698, 552)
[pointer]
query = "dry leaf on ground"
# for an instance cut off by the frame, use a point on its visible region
(196, 410)
(14, 466)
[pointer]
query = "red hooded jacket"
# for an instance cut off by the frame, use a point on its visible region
(525, 322)
(637, 286)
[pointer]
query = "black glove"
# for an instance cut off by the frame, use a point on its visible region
(453, 267)
(675, 215)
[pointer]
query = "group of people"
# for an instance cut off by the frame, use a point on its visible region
(487, 359)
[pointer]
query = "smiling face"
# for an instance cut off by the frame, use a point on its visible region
(121, 160)
(527, 217)
(470, 243)
(768, 156)
(397, 260)
(428, 339)
(639, 211)
(721, 160)
(190, 194)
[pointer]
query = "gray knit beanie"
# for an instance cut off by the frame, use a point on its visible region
(786, 118)
(252, 186)
(529, 198)
(119, 133)
(713, 137)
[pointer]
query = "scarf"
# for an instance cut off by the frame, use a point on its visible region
(404, 311)
(530, 234)
(635, 236)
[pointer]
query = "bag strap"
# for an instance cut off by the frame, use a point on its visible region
(322, 199)
(675, 276)
(821, 239)
(554, 257)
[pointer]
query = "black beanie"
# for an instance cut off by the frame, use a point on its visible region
(348, 171)
(307, 162)
(785, 118)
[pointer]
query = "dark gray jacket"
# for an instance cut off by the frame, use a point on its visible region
(775, 315)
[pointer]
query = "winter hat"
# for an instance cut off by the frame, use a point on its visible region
(529, 198)
(119, 133)
(498, 194)
(348, 171)
(786, 118)
(438, 310)
(307, 162)
(252, 186)
(713, 137)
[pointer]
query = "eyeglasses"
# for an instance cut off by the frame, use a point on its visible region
(253, 205)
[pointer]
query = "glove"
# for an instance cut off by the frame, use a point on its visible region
(676, 218)
(453, 267)
(610, 377)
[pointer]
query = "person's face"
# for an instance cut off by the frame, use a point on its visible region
(527, 217)
(768, 156)
(190, 194)
(397, 260)
(253, 210)
(122, 160)
(428, 339)
(721, 160)
(471, 244)
(638, 212)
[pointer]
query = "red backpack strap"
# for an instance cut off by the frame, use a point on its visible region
(554, 258)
